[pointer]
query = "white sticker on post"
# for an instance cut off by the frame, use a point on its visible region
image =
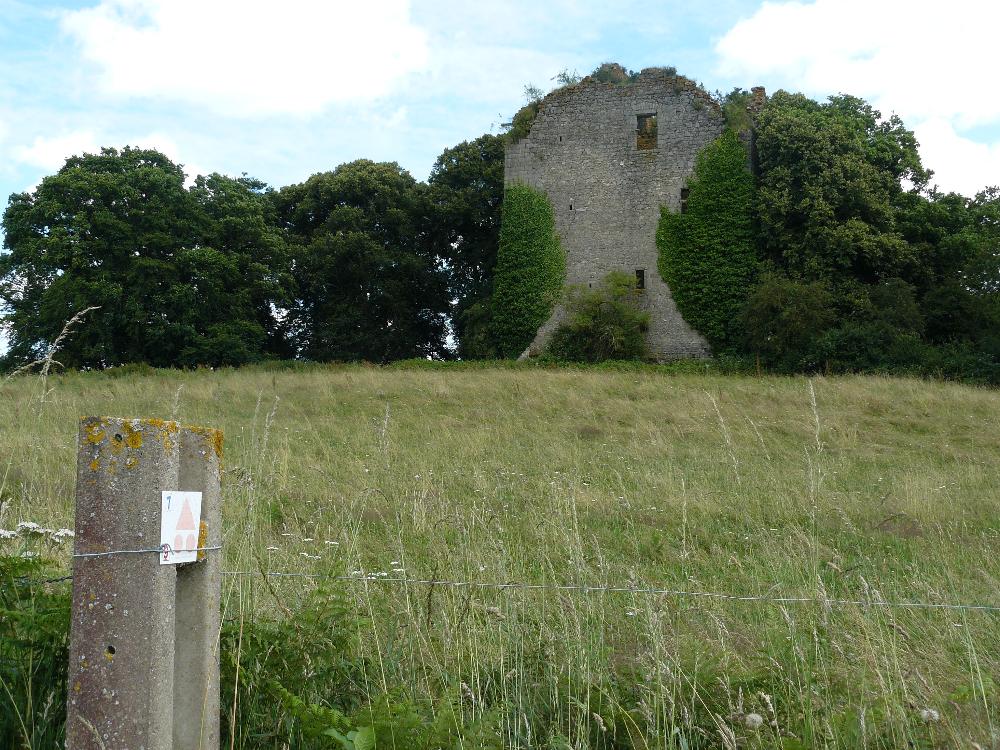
(180, 522)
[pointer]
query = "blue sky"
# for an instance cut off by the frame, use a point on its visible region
(281, 90)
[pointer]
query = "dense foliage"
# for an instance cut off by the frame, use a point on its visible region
(367, 283)
(181, 276)
(708, 256)
(530, 269)
(883, 274)
(602, 324)
(831, 254)
(466, 192)
(34, 652)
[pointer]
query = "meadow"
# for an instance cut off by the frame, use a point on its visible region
(846, 497)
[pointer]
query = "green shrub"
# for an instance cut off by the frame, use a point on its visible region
(601, 324)
(707, 254)
(34, 655)
(783, 318)
(530, 269)
(611, 72)
(520, 126)
(854, 347)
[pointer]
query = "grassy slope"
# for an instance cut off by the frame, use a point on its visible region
(888, 488)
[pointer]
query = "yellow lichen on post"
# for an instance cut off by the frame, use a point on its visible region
(95, 433)
(133, 437)
(213, 438)
(166, 428)
(202, 540)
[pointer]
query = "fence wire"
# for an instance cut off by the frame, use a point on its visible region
(602, 589)
(564, 587)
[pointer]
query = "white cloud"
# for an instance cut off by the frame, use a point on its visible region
(49, 153)
(960, 163)
(250, 57)
(925, 60)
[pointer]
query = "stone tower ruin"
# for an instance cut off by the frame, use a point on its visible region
(608, 156)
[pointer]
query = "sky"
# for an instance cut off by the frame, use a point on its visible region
(282, 90)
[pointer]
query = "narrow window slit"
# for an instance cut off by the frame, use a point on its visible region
(645, 131)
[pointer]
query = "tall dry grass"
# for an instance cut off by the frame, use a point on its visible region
(868, 489)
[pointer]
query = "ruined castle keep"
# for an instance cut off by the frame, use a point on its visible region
(608, 156)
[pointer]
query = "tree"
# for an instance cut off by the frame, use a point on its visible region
(367, 283)
(241, 274)
(119, 231)
(831, 182)
(465, 190)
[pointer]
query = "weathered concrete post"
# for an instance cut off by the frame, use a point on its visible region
(144, 659)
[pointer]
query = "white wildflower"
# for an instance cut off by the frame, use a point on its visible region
(4, 534)
(753, 721)
(29, 527)
(929, 715)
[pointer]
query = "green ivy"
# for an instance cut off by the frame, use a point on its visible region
(530, 269)
(707, 254)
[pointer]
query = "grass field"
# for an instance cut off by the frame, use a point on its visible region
(866, 489)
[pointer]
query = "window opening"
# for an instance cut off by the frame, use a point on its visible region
(684, 200)
(645, 131)
(640, 278)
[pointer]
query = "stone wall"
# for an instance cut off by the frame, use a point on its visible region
(606, 192)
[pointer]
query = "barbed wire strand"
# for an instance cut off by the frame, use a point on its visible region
(157, 550)
(600, 589)
(575, 588)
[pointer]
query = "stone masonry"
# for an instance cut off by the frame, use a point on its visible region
(584, 153)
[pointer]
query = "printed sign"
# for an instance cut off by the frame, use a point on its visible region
(180, 519)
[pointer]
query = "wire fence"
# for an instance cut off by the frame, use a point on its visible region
(583, 589)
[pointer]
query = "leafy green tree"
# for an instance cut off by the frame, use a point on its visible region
(465, 190)
(530, 270)
(240, 277)
(601, 324)
(119, 231)
(368, 286)
(708, 256)
(831, 182)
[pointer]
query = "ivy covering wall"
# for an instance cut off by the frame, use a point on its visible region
(707, 254)
(530, 270)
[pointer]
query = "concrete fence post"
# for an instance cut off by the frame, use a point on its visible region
(144, 648)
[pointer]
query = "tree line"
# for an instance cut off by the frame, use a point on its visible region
(835, 253)
(359, 263)
(838, 255)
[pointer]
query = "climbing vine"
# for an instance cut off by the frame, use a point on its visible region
(530, 269)
(707, 253)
